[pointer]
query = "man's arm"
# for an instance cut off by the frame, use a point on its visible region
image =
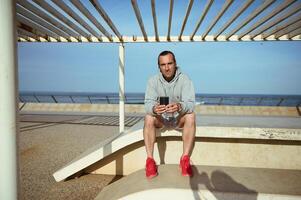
(151, 96)
(188, 98)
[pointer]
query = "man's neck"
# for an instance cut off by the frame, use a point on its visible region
(169, 79)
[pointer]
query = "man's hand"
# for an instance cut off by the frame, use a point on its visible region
(159, 109)
(173, 107)
(170, 108)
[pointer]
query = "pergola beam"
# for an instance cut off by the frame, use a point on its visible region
(283, 26)
(295, 33)
(234, 17)
(186, 17)
(31, 35)
(75, 16)
(42, 14)
(204, 13)
(38, 27)
(139, 18)
(39, 36)
(220, 14)
(164, 39)
(106, 17)
(170, 18)
(278, 20)
(49, 8)
(40, 21)
(155, 19)
(254, 14)
(288, 30)
(26, 33)
(87, 13)
(261, 21)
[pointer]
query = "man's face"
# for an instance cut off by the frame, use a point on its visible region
(167, 66)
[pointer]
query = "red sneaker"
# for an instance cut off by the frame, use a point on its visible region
(150, 168)
(185, 166)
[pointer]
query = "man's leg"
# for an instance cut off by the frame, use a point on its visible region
(187, 122)
(149, 133)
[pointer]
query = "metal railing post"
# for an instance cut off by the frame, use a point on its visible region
(8, 102)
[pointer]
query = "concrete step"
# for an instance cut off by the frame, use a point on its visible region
(208, 182)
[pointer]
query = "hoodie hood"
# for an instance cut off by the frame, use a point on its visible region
(175, 78)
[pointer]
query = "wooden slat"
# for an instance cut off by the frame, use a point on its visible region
(234, 17)
(40, 21)
(284, 16)
(271, 14)
(295, 33)
(61, 17)
(155, 19)
(26, 33)
(87, 13)
(170, 18)
(204, 13)
(139, 18)
(42, 14)
(33, 25)
(288, 29)
(75, 16)
(254, 14)
(185, 18)
(106, 17)
(220, 14)
(30, 29)
(283, 26)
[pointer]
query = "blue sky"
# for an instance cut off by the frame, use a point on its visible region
(214, 67)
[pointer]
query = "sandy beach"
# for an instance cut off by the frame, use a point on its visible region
(45, 147)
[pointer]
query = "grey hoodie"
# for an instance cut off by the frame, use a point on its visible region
(179, 89)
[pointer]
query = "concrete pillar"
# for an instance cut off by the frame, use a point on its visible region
(121, 88)
(8, 101)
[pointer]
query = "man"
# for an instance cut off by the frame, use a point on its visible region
(170, 82)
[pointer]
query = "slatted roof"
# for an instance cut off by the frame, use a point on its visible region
(206, 20)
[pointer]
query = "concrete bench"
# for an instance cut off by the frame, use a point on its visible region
(259, 142)
(208, 182)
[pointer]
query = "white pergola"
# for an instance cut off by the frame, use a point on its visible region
(41, 21)
(59, 21)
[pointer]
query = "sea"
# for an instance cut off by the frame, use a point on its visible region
(138, 98)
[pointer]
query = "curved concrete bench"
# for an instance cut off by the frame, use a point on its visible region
(216, 144)
(208, 182)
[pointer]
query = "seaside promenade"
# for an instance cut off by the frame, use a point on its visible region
(45, 145)
(49, 139)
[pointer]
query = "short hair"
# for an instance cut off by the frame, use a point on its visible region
(164, 53)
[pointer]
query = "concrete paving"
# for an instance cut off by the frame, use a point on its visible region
(202, 120)
(45, 147)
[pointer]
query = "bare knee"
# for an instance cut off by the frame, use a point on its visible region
(149, 121)
(190, 119)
